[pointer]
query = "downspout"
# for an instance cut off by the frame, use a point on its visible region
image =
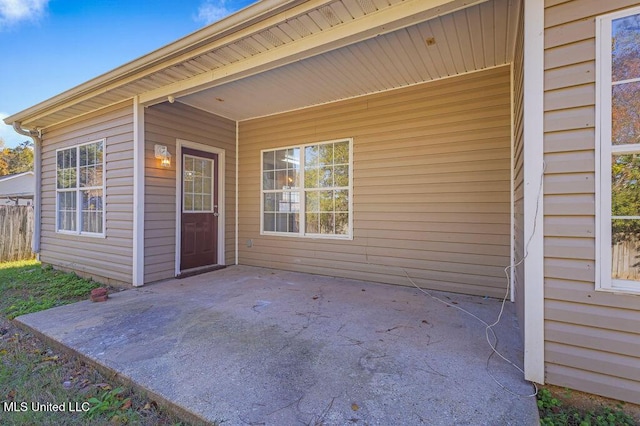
(36, 135)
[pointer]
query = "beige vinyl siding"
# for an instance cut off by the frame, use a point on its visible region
(592, 338)
(518, 171)
(164, 124)
(431, 185)
(107, 259)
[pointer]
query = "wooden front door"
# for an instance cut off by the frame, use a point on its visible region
(199, 240)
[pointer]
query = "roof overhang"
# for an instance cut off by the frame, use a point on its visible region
(242, 54)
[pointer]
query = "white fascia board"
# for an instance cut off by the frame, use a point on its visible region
(138, 193)
(384, 21)
(533, 190)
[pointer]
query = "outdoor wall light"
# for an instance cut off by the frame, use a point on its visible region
(162, 153)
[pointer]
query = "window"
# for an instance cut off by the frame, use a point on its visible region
(197, 194)
(618, 132)
(306, 190)
(80, 189)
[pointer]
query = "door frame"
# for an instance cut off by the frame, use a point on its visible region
(180, 143)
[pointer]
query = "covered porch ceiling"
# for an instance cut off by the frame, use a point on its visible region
(470, 39)
(283, 55)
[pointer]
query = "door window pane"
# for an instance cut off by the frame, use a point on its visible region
(198, 181)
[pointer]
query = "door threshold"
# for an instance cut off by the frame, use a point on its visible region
(199, 270)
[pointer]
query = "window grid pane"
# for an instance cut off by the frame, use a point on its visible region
(625, 33)
(67, 211)
(325, 188)
(92, 211)
(197, 192)
(625, 113)
(624, 217)
(281, 196)
(625, 249)
(80, 167)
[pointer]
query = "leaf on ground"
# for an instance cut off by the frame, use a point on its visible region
(151, 405)
(50, 358)
(126, 404)
(355, 407)
(103, 386)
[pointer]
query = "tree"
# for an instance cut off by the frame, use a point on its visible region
(16, 160)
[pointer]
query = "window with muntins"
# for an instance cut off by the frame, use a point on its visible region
(618, 133)
(306, 190)
(80, 189)
(197, 193)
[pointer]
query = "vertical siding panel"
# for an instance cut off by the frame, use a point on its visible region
(579, 319)
(108, 259)
(164, 124)
(431, 185)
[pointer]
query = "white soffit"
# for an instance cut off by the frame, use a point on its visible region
(467, 40)
(235, 66)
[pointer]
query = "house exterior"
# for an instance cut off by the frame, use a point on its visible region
(17, 189)
(373, 139)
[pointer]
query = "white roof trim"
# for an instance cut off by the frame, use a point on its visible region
(17, 175)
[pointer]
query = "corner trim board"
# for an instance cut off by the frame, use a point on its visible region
(533, 190)
(138, 193)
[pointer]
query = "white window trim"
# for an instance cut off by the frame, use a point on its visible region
(301, 233)
(603, 151)
(78, 191)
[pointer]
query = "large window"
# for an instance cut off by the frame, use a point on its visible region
(306, 190)
(80, 189)
(618, 130)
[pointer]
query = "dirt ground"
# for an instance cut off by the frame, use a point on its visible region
(69, 375)
(585, 401)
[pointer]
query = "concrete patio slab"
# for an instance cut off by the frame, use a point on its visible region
(257, 346)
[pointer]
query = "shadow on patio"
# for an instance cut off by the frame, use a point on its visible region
(259, 346)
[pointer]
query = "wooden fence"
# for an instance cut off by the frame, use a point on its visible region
(625, 262)
(16, 230)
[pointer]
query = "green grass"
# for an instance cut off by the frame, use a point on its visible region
(32, 372)
(553, 412)
(26, 287)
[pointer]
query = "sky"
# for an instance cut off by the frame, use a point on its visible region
(50, 46)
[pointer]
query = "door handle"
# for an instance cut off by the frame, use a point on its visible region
(216, 214)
